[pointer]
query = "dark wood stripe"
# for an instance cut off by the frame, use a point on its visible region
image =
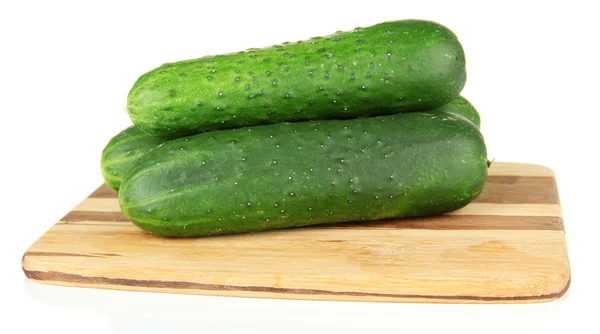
(456, 222)
(498, 189)
(59, 254)
(519, 189)
(56, 276)
(102, 216)
(103, 192)
(441, 222)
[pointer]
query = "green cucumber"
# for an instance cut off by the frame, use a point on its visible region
(306, 173)
(120, 154)
(461, 106)
(388, 68)
(122, 151)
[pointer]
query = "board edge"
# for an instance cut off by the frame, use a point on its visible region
(65, 279)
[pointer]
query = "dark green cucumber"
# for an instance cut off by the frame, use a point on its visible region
(120, 154)
(387, 68)
(122, 151)
(306, 173)
(461, 106)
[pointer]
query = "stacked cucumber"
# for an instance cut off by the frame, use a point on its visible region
(356, 126)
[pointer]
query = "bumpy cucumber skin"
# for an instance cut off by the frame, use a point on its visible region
(462, 107)
(122, 151)
(296, 174)
(391, 67)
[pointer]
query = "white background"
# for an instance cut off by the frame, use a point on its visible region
(66, 69)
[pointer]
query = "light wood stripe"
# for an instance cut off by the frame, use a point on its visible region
(99, 205)
(95, 223)
(69, 254)
(58, 254)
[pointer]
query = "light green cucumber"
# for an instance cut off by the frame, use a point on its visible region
(387, 68)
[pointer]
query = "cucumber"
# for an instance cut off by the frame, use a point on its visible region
(306, 173)
(462, 107)
(122, 151)
(388, 68)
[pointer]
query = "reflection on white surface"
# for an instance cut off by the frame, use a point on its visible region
(144, 312)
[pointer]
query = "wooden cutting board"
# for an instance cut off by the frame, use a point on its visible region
(508, 246)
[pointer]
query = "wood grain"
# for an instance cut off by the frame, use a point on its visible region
(508, 246)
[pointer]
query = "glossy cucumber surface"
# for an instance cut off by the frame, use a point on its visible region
(122, 151)
(387, 68)
(296, 174)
